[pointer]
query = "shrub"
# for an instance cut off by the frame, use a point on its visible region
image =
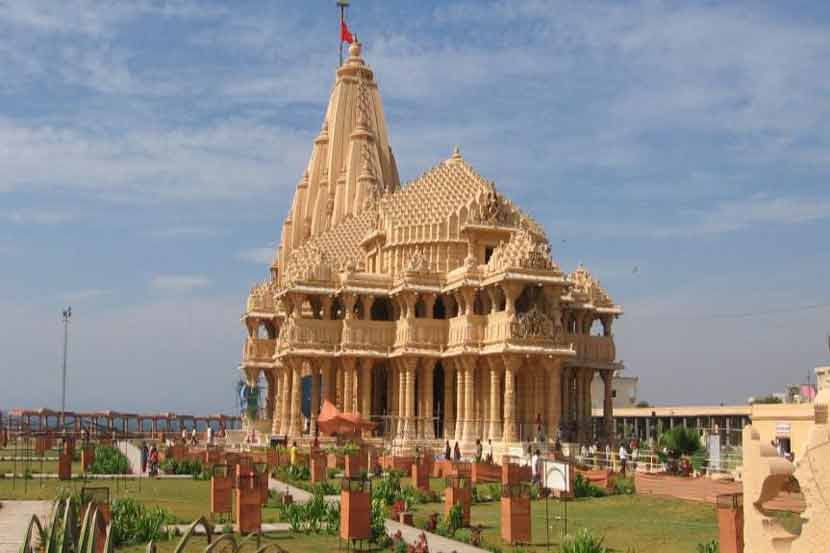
(133, 523)
(624, 486)
(191, 467)
(680, 441)
(313, 517)
(584, 488)
(109, 460)
(584, 542)
(710, 547)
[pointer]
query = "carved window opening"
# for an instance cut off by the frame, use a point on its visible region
(338, 311)
(530, 296)
(488, 253)
(382, 310)
(439, 311)
(597, 328)
(420, 309)
(481, 305)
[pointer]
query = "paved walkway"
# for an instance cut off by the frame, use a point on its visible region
(436, 543)
(14, 519)
(200, 531)
(298, 495)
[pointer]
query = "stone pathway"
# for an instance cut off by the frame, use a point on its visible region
(14, 519)
(298, 495)
(436, 543)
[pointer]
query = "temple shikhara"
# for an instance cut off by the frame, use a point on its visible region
(433, 308)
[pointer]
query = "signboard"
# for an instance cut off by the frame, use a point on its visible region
(714, 451)
(557, 475)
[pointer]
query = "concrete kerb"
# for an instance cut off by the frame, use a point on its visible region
(297, 495)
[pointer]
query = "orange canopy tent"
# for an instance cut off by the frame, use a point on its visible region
(331, 421)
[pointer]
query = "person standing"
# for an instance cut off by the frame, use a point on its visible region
(490, 457)
(447, 451)
(292, 454)
(457, 453)
(535, 467)
(623, 459)
(144, 455)
(479, 451)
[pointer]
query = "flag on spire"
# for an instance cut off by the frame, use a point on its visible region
(345, 34)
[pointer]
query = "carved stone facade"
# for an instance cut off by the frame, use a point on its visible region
(434, 309)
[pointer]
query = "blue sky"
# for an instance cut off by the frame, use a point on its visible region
(149, 149)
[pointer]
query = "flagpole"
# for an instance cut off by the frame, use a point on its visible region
(343, 4)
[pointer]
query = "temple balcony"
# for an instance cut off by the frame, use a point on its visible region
(259, 350)
(312, 335)
(594, 348)
(376, 336)
(466, 330)
(430, 334)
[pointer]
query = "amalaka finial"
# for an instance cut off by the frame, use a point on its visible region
(456, 155)
(355, 48)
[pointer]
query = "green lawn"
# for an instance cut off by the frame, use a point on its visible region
(48, 467)
(185, 499)
(641, 524)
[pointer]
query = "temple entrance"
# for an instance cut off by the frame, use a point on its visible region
(438, 402)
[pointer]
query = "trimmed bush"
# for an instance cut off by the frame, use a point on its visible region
(109, 460)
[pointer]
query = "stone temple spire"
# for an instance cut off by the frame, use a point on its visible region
(353, 136)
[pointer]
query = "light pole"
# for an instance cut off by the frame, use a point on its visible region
(66, 315)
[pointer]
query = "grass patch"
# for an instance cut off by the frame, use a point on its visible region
(289, 542)
(642, 524)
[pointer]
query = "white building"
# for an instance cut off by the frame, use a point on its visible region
(823, 378)
(623, 394)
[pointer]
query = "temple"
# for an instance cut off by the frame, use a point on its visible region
(433, 308)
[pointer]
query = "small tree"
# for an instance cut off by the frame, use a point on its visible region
(643, 404)
(767, 400)
(679, 442)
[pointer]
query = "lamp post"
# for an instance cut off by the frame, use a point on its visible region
(65, 315)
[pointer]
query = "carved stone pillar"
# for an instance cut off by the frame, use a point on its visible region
(495, 399)
(461, 417)
(469, 401)
(366, 303)
(325, 307)
(315, 397)
(296, 424)
(449, 401)
(511, 365)
(428, 365)
(401, 398)
(566, 396)
(588, 413)
(348, 384)
(365, 380)
(538, 379)
(338, 385)
(554, 395)
(429, 304)
(608, 402)
(409, 366)
(512, 290)
(349, 301)
(285, 395)
(276, 417)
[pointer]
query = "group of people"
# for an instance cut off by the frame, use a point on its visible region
(454, 453)
(628, 454)
(149, 460)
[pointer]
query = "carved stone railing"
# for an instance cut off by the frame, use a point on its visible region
(421, 333)
(594, 348)
(497, 328)
(373, 335)
(466, 330)
(260, 350)
(310, 334)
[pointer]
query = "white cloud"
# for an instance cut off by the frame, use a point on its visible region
(235, 158)
(261, 256)
(179, 283)
(38, 216)
(82, 296)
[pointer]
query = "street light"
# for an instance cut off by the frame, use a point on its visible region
(66, 315)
